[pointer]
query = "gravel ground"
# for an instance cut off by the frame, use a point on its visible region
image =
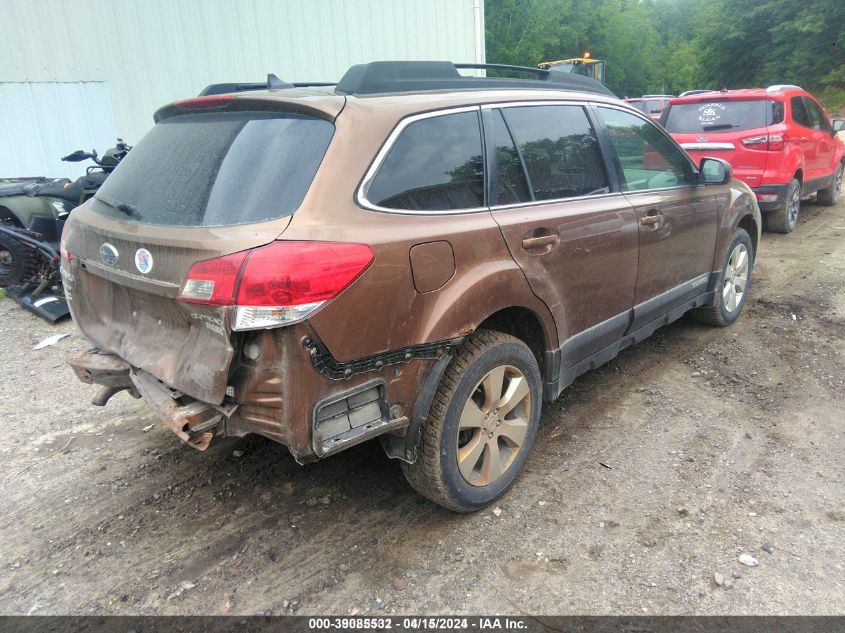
(651, 477)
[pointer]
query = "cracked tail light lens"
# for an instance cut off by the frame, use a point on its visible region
(278, 284)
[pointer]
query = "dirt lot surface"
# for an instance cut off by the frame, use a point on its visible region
(649, 480)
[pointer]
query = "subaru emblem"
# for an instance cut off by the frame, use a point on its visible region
(108, 254)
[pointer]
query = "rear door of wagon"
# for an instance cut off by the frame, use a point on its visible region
(199, 185)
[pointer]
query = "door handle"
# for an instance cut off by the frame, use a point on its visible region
(652, 218)
(540, 242)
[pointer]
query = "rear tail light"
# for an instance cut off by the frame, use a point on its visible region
(767, 197)
(277, 284)
(776, 142)
(766, 142)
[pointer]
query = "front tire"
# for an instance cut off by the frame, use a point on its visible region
(481, 425)
(784, 219)
(829, 196)
(732, 288)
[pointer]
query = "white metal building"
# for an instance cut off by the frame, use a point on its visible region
(75, 74)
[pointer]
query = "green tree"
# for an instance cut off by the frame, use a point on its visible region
(675, 45)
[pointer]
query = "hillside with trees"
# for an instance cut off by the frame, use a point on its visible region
(656, 46)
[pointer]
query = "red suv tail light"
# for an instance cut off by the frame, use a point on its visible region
(776, 142)
(277, 284)
(766, 142)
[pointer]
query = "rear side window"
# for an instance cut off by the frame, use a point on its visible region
(435, 165)
(723, 116)
(217, 170)
(560, 151)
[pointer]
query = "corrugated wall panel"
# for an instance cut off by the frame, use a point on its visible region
(151, 52)
(43, 121)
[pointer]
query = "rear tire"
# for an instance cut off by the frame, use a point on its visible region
(732, 287)
(482, 424)
(16, 261)
(830, 195)
(784, 219)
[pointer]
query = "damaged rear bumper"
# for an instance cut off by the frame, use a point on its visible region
(192, 421)
(288, 389)
(107, 370)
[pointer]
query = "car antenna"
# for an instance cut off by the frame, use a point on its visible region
(274, 83)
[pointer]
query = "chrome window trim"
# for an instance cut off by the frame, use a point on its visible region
(364, 202)
(361, 193)
(625, 194)
(585, 103)
(537, 203)
(540, 102)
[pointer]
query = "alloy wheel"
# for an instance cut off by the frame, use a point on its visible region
(736, 278)
(493, 425)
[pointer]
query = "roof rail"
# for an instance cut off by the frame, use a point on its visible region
(778, 87)
(413, 76)
(272, 83)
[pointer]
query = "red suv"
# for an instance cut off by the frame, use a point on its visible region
(779, 141)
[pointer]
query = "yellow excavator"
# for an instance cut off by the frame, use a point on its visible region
(586, 66)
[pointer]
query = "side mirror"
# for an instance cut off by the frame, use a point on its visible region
(715, 171)
(838, 125)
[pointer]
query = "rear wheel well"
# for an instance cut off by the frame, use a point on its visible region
(523, 324)
(750, 227)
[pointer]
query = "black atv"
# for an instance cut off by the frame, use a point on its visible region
(32, 216)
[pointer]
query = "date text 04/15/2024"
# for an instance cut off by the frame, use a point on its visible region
(418, 623)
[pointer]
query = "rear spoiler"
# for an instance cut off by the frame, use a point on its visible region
(272, 83)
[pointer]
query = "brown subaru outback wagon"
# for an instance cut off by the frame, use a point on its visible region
(410, 254)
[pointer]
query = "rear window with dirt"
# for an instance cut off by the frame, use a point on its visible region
(217, 170)
(723, 116)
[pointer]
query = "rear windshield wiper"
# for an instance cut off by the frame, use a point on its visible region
(123, 207)
(712, 128)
